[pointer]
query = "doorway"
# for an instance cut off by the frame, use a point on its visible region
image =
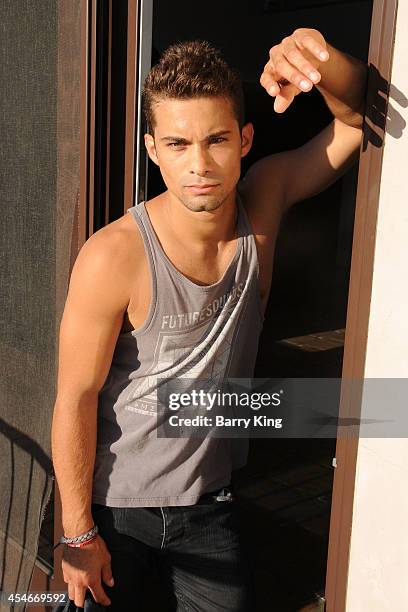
(285, 490)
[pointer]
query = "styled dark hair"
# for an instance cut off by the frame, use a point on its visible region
(192, 69)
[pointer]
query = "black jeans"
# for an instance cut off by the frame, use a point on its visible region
(195, 551)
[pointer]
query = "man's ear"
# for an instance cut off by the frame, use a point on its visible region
(151, 148)
(247, 136)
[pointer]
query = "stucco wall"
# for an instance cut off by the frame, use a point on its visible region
(378, 568)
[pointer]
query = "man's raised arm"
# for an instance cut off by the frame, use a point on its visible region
(297, 64)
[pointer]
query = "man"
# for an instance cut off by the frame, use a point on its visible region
(177, 288)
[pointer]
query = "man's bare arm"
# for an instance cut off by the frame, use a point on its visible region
(97, 299)
(300, 61)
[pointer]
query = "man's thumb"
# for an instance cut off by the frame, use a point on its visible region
(107, 575)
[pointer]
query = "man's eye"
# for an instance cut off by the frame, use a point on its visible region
(216, 140)
(175, 144)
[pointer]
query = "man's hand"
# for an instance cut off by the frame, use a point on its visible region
(293, 66)
(83, 568)
(275, 182)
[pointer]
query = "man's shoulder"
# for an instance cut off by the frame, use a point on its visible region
(115, 247)
(120, 237)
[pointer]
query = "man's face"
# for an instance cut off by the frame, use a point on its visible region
(197, 142)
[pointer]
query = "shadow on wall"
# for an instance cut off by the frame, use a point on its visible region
(379, 110)
(25, 457)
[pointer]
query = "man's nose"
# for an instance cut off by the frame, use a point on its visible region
(200, 161)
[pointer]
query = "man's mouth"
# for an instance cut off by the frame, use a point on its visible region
(204, 188)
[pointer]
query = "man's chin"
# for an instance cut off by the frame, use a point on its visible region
(202, 203)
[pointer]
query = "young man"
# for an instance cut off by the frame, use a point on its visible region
(177, 288)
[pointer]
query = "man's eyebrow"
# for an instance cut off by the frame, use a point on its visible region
(219, 133)
(184, 140)
(177, 138)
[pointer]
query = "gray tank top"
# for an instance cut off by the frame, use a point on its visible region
(191, 331)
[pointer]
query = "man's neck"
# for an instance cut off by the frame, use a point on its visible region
(204, 228)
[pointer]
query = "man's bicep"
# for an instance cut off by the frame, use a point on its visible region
(311, 168)
(92, 319)
(262, 191)
(277, 181)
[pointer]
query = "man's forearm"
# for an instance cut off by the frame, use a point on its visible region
(343, 86)
(73, 440)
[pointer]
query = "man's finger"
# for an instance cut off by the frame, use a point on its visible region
(99, 595)
(79, 598)
(107, 574)
(297, 59)
(281, 68)
(285, 98)
(308, 42)
(281, 104)
(71, 591)
(269, 83)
